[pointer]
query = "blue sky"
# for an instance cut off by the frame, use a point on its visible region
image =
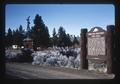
(72, 17)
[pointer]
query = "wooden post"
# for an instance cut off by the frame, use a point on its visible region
(110, 48)
(83, 53)
(117, 41)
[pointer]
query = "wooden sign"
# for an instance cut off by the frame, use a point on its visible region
(96, 44)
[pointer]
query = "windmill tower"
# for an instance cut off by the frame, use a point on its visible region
(28, 42)
(28, 26)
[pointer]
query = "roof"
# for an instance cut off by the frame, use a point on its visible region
(96, 29)
(27, 39)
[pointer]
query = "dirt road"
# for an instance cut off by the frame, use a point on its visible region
(29, 71)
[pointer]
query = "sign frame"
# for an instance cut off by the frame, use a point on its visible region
(93, 35)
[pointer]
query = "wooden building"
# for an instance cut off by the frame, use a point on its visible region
(28, 43)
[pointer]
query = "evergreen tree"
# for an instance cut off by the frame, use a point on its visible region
(31, 32)
(68, 42)
(18, 36)
(40, 33)
(54, 39)
(9, 38)
(15, 37)
(62, 37)
(46, 37)
(75, 41)
(51, 42)
(54, 32)
(21, 35)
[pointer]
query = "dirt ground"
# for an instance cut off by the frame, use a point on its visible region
(29, 71)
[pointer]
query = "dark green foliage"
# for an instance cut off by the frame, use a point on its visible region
(18, 36)
(21, 37)
(68, 41)
(9, 38)
(46, 38)
(51, 42)
(54, 38)
(40, 33)
(63, 38)
(26, 56)
(75, 41)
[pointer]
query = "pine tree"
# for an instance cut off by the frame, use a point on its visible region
(40, 33)
(68, 41)
(54, 32)
(62, 37)
(46, 38)
(9, 38)
(54, 39)
(18, 36)
(21, 35)
(15, 37)
(75, 41)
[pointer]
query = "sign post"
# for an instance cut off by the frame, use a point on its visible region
(83, 53)
(110, 48)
